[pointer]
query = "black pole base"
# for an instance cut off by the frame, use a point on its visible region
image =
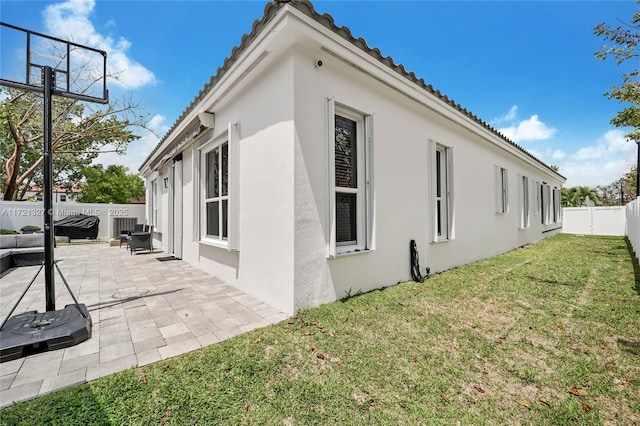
(32, 332)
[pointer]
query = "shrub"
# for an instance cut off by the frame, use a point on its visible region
(28, 229)
(7, 232)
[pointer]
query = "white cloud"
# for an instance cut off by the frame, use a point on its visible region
(157, 124)
(599, 164)
(558, 154)
(549, 155)
(70, 20)
(138, 150)
(528, 130)
(507, 117)
(611, 143)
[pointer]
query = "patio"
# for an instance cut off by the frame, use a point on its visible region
(143, 310)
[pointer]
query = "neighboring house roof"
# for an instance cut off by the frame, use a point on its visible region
(327, 21)
(73, 190)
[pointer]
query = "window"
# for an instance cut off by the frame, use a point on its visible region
(347, 182)
(39, 197)
(524, 202)
(63, 197)
(217, 192)
(442, 190)
(350, 155)
(537, 200)
(216, 168)
(545, 197)
(557, 208)
(502, 190)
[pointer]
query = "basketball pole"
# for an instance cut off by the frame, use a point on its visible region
(50, 292)
(33, 332)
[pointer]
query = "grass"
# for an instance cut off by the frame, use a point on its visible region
(546, 334)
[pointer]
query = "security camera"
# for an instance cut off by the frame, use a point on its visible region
(318, 63)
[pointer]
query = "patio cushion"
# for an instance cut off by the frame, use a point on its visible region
(30, 240)
(8, 241)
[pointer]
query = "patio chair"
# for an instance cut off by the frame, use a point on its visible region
(124, 237)
(140, 241)
(125, 234)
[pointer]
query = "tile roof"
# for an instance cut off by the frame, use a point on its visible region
(327, 21)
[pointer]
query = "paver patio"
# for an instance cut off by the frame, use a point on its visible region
(143, 310)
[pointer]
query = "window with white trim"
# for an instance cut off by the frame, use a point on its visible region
(442, 190)
(350, 154)
(524, 202)
(216, 162)
(502, 190)
(557, 206)
(537, 199)
(349, 183)
(216, 192)
(545, 196)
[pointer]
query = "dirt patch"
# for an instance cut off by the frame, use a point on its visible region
(611, 409)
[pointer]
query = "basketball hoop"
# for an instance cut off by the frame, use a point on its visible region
(52, 66)
(66, 59)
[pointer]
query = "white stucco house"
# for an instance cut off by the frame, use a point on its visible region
(306, 165)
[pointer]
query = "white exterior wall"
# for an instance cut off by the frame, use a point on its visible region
(280, 105)
(263, 265)
(402, 128)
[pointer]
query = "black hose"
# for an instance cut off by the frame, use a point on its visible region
(415, 265)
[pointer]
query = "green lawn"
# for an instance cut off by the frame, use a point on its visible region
(546, 334)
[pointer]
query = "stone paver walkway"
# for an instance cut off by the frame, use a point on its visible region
(143, 310)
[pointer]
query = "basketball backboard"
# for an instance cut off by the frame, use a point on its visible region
(79, 71)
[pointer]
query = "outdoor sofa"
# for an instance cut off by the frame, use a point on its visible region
(21, 250)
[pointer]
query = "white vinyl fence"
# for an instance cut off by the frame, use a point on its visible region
(594, 220)
(633, 225)
(113, 217)
(615, 220)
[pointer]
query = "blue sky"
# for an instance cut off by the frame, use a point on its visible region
(527, 68)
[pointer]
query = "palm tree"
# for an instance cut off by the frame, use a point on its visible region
(582, 193)
(578, 195)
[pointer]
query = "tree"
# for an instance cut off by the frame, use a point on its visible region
(609, 194)
(111, 185)
(620, 191)
(628, 185)
(577, 196)
(625, 38)
(80, 131)
(626, 47)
